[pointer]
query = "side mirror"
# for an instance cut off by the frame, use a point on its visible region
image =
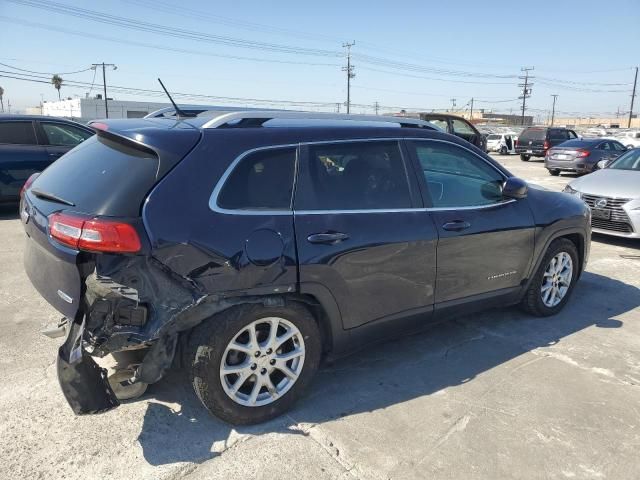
(515, 188)
(602, 164)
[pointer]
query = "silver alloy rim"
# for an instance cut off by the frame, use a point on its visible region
(262, 362)
(557, 279)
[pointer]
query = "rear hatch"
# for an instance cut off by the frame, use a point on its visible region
(105, 179)
(532, 139)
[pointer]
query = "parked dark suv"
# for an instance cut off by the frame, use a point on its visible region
(535, 141)
(458, 126)
(248, 246)
(30, 143)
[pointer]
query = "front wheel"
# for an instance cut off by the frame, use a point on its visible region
(503, 150)
(524, 158)
(555, 173)
(251, 363)
(553, 282)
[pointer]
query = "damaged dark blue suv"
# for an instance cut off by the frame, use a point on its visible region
(247, 246)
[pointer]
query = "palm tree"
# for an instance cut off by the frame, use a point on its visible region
(56, 80)
(1, 94)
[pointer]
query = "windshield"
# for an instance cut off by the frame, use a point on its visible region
(628, 161)
(533, 134)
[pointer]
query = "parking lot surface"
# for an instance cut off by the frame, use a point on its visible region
(489, 396)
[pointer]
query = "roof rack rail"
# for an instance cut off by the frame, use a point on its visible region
(257, 118)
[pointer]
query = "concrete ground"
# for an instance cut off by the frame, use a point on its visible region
(488, 396)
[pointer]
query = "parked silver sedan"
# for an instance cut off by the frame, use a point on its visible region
(613, 194)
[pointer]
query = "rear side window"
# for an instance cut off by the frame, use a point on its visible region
(17, 133)
(353, 176)
(558, 134)
(64, 135)
(462, 127)
(262, 180)
(533, 134)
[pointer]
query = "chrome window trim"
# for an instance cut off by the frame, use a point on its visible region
(213, 199)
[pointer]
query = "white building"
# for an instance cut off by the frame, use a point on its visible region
(85, 109)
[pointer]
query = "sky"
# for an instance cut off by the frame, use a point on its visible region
(417, 55)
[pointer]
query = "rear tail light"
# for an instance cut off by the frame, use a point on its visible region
(94, 235)
(546, 145)
(582, 153)
(517, 143)
(28, 183)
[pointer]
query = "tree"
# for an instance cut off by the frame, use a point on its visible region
(1, 94)
(56, 80)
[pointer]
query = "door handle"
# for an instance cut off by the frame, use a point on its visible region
(327, 238)
(456, 226)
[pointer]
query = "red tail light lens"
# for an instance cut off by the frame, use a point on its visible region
(517, 142)
(94, 235)
(546, 145)
(28, 183)
(582, 153)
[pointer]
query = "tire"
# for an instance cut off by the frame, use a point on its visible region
(210, 346)
(503, 150)
(533, 301)
(524, 158)
(555, 173)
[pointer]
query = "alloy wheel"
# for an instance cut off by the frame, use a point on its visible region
(262, 362)
(557, 279)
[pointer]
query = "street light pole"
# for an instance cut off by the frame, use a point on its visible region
(104, 82)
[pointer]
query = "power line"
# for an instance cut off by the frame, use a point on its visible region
(95, 66)
(46, 73)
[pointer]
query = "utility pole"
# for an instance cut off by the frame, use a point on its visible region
(553, 109)
(376, 107)
(350, 73)
(453, 104)
(104, 82)
(633, 95)
(471, 112)
(526, 90)
(9, 105)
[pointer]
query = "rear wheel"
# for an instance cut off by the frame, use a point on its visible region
(554, 280)
(251, 363)
(503, 150)
(555, 173)
(524, 158)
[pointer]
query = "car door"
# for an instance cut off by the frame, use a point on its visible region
(20, 156)
(485, 241)
(61, 137)
(361, 232)
(463, 130)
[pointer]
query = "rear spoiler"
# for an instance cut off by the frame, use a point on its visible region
(169, 142)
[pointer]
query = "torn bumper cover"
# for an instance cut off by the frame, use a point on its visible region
(83, 383)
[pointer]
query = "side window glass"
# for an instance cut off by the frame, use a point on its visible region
(442, 124)
(64, 135)
(462, 128)
(262, 180)
(606, 146)
(456, 177)
(555, 134)
(571, 134)
(354, 176)
(17, 133)
(618, 146)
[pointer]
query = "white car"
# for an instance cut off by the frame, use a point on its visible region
(630, 139)
(503, 143)
(613, 194)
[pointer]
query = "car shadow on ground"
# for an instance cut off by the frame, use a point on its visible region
(9, 212)
(633, 243)
(177, 428)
